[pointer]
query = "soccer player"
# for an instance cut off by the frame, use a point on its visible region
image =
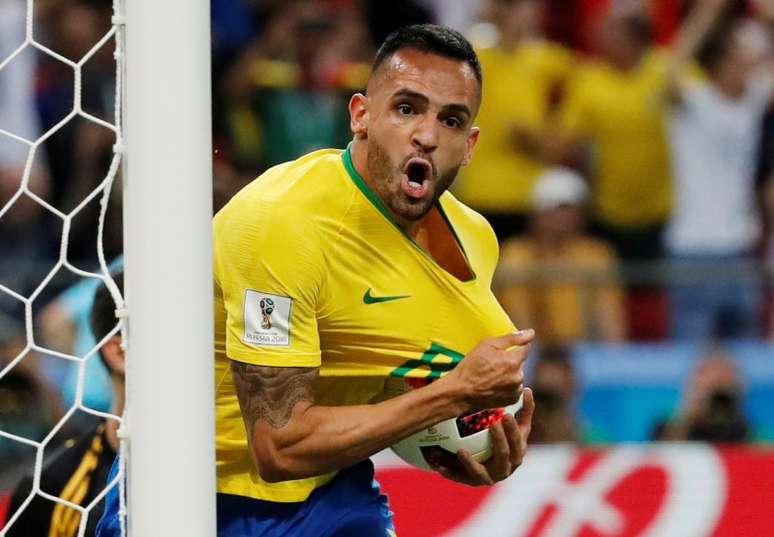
(78, 472)
(343, 273)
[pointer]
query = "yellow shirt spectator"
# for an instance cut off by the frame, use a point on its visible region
(517, 91)
(557, 279)
(566, 295)
(622, 113)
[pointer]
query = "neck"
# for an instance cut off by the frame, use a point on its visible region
(359, 152)
(729, 90)
(628, 63)
(552, 242)
(117, 408)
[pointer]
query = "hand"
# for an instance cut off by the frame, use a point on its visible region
(509, 445)
(491, 375)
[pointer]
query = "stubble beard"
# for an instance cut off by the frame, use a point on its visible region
(386, 177)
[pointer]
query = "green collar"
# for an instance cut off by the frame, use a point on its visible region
(376, 201)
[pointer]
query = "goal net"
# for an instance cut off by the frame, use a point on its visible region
(155, 170)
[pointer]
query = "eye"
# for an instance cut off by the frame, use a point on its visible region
(452, 122)
(405, 109)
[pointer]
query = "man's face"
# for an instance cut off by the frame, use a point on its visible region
(617, 43)
(562, 221)
(418, 124)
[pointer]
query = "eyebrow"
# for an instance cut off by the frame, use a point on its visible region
(455, 108)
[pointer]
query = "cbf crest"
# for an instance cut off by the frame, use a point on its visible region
(267, 318)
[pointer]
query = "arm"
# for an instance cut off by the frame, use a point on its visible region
(291, 437)
(692, 34)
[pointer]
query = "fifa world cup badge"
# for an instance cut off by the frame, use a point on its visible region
(266, 318)
(267, 306)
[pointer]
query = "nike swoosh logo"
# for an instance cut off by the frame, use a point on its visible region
(368, 298)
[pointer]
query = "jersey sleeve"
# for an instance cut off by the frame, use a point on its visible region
(269, 271)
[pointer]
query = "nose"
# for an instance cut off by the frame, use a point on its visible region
(425, 135)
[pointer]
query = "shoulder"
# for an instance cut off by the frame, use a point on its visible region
(516, 251)
(595, 251)
(287, 201)
(303, 180)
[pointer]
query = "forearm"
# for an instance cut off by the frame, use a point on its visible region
(320, 439)
(692, 34)
(291, 437)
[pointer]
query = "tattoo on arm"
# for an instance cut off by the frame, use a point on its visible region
(270, 393)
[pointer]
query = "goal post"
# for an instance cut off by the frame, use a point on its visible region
(169, 422)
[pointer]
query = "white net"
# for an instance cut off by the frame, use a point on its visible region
(25, 192)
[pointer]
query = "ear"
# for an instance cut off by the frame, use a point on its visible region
(358, 115)
(470, 144)
(114, 355)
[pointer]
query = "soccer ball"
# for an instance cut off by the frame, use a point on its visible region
(438, 445)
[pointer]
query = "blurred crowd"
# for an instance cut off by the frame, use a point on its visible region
(625, 162)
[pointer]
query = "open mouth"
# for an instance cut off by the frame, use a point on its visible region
(416, 178)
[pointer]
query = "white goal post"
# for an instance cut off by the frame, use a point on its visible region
(167, 210)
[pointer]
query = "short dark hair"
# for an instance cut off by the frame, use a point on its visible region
(103, 311)
(433, 39)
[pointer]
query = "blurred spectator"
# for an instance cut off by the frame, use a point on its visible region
(28, 246)
(78, 473)
(614, 118)
(522, 73)
(715, 134)
(28, 407)
(558, 279)
(63, 325)
(615, 106)
(554, 387)
(80, 151)
(711, 408)
(233, 27)
(286, 94)
(22, 244)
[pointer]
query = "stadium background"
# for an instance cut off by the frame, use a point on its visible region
(282, 74)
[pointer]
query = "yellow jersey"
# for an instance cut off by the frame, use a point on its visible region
(518, 87)
(312, 271)
(623, 114)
